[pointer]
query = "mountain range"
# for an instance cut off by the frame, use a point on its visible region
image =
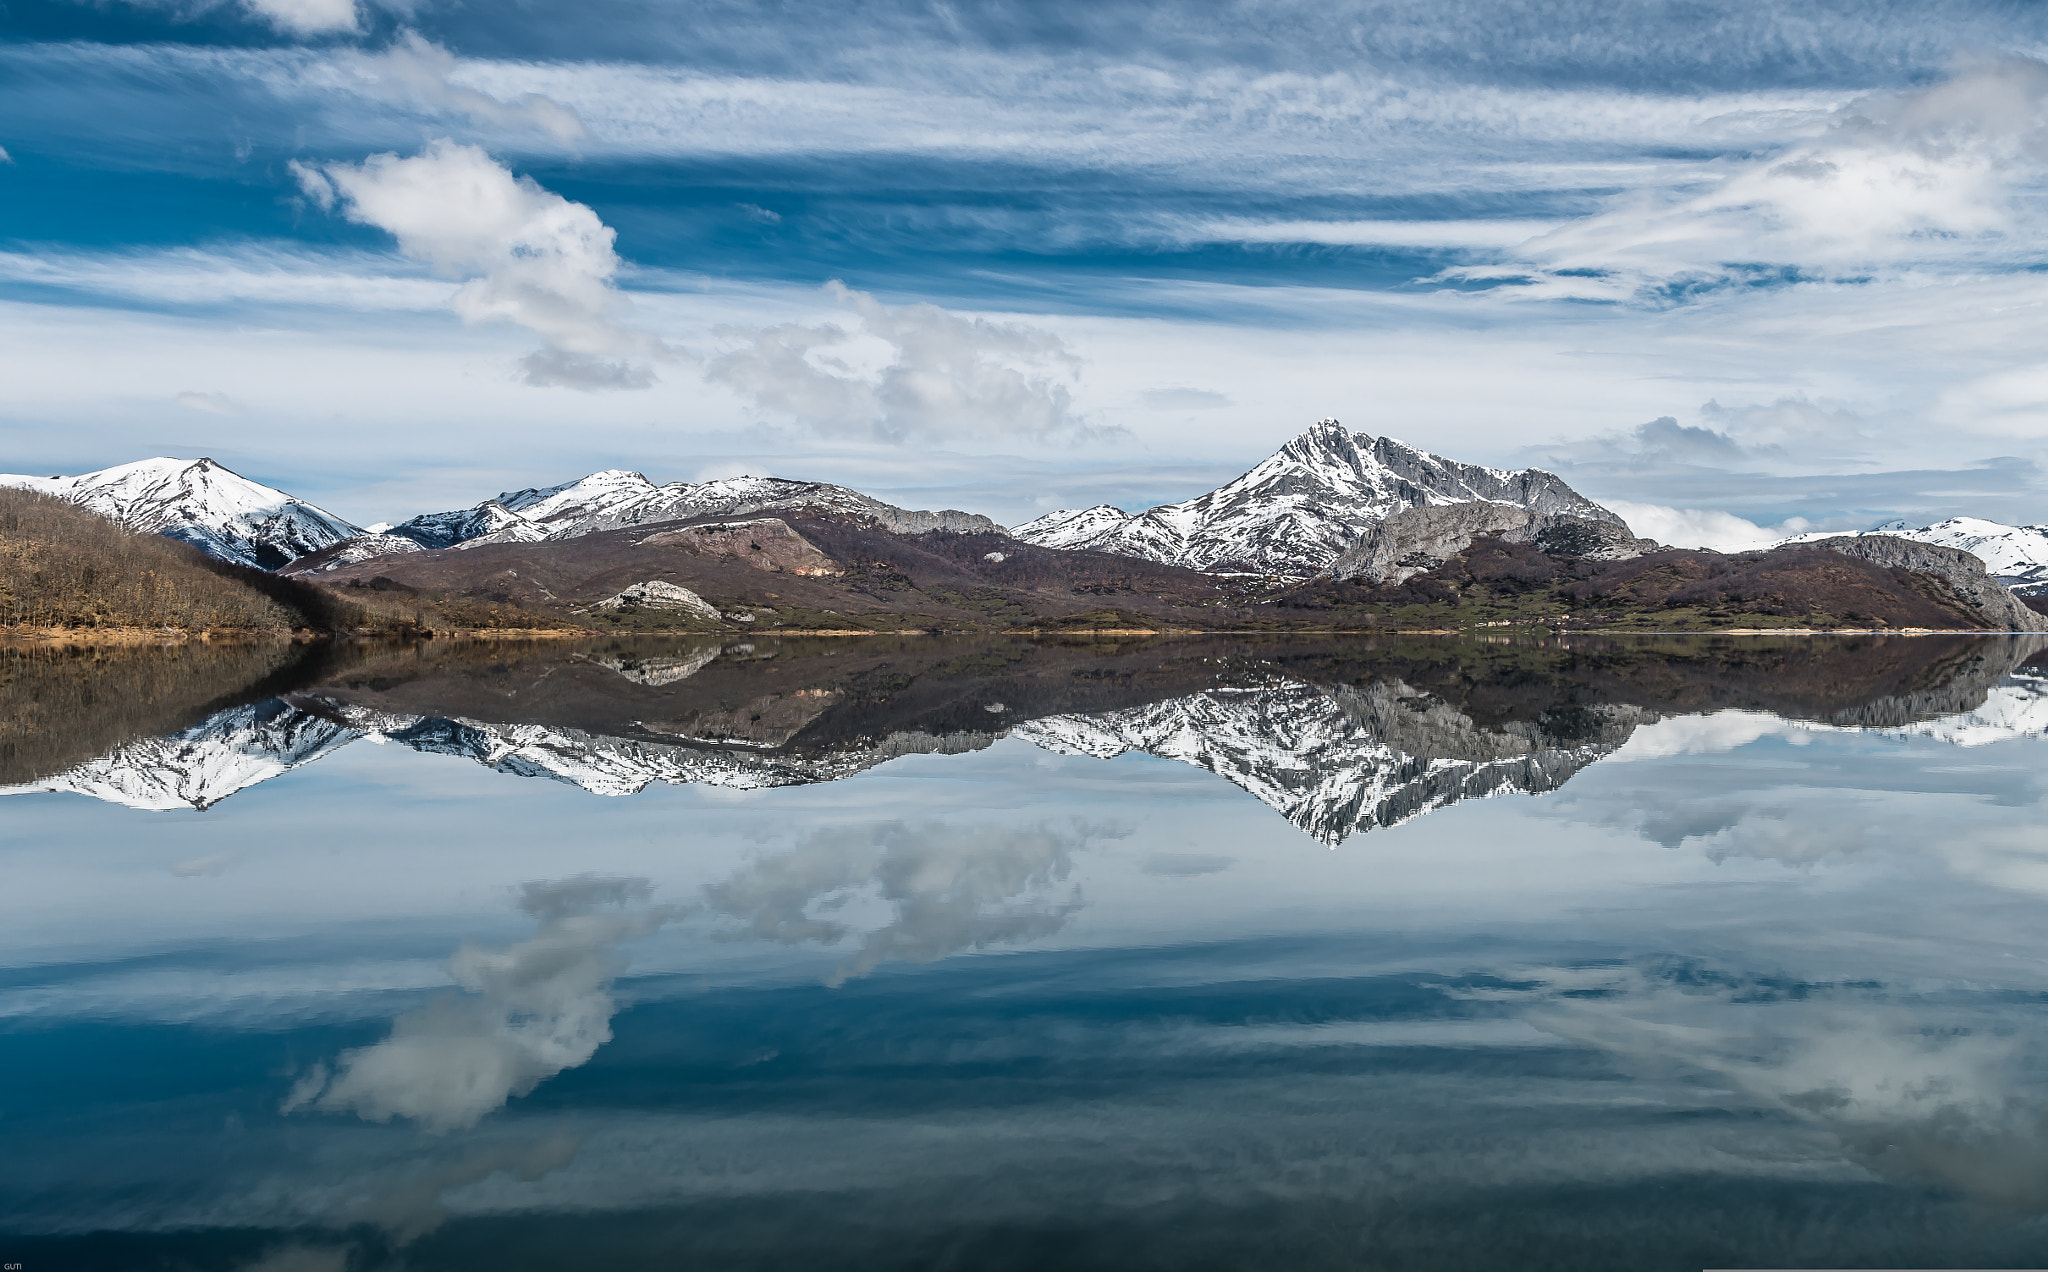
(1316, 509)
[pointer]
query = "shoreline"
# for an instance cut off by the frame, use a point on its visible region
(135, 637)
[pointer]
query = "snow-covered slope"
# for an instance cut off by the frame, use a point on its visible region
(198, 501)
(446, 529)
(2016, 556)
(1293, 514)
(350, 552)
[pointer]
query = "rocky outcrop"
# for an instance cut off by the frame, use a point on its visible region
(1964, 573)
(1415, 540)
(656, 594)
(950, 520)
(764, 543)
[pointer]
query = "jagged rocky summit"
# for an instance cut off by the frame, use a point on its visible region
(1293, 514)
(201, 503)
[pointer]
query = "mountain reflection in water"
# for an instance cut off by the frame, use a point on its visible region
(1757, 984)
(1337, 739)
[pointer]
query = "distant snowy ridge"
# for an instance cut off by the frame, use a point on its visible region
(615, 498)
(1294, 513)
(201, 503)
(2016, 556)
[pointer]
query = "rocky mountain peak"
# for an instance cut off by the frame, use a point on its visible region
(1296, 511)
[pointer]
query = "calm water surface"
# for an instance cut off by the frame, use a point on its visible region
(903, 953)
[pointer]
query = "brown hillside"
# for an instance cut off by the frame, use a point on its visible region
(61, 566)
(1799, 586)
(812, 571)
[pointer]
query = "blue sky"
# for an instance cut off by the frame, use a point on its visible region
(1745, 260)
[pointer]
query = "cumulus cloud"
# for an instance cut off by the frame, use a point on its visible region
(528, 1012)
(945, 889)
(1701, 527)
(528, 255)
(1931, 176)
(419, 74)
(908, 371)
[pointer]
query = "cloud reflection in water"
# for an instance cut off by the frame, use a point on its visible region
(532, 1010)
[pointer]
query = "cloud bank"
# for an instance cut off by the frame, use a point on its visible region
(939, 374)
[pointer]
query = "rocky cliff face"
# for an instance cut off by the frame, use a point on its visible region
(1416, 540)
(1962, 571)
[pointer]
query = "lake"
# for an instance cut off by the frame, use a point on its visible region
(909, 953)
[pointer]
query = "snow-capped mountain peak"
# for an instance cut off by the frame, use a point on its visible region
(198, 501)
(1295, 511)
(593, 493)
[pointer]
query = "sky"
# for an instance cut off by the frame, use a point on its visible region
(1732, 268)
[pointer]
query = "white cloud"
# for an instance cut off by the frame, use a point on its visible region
(307, 17)
(1701, 527)
(529, 256)
(419, 74)
(529, 1011)
(910, 371)
(4, 156)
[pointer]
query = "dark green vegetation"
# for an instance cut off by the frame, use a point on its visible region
(1493, 582)
(63, 567)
